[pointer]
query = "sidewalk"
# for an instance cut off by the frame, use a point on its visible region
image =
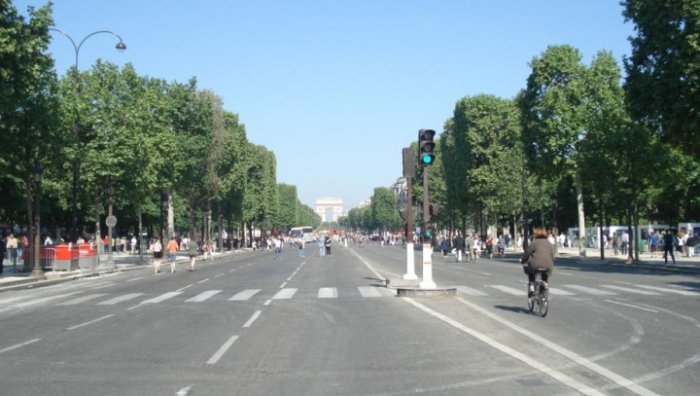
(122, 262)
(646, 261)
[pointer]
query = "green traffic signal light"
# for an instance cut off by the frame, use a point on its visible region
(427, 159)
(426, 146)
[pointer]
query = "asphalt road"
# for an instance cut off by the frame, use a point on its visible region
(250, 325)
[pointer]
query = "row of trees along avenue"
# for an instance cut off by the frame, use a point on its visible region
(580, 145)
(159, 151)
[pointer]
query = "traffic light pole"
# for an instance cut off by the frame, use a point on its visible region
(427, 282)
(410, 259)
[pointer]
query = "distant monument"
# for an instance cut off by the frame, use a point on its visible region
(330, 209)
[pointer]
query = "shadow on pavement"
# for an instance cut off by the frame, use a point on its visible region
(521, 310)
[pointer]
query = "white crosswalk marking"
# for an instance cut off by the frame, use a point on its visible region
(510, 290)
(668, 290)
(117, 300)
(590, 290)
(161, 298)
(328, 292)
(244, 295)
(631, 290)
(469, 291)
(82, 299)
(285, 294)
(203, 296)
(369, 291)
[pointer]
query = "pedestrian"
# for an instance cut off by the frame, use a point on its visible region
(12, 245)
(466, 248)
(278, 247)
(328, 245)
(301, 248)
(653, 243)
(624, 243)
(193, 250)
(157, 249)
(489, 246)
(133, 244)
(668, 246)
(445, 246)
(691, 243)
(322, 246)
(3, 252)
(172, 249)
(459, 247)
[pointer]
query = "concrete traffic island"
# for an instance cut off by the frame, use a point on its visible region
(411, 288)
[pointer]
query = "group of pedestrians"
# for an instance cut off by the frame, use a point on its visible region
(172, 249)
(472, 246)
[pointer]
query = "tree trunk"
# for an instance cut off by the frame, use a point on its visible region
(581, 216)
(171, 215)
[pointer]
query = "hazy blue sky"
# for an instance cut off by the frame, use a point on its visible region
(336, 88)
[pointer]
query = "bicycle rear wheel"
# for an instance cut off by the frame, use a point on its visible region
(543, 306)
(531, 303)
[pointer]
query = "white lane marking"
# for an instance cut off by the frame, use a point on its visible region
(104, 285)
(218, 275)
(282, 285)
(669, 290)
(376, 274)
(560, 292)
(510, 290)
(203, 280)
(576, 358)
(161, 298)
(561, 377)
(631, 306)
(252, 319)
(82, 299)
(90, 322)
(135, 279)
(117, 300)
(244, 295)
(222, 350)
(285, 294)
(369, 291)
(38, 301)
(591, 290)
(469, 291)
(232, 271)
(183, 288)
(630, 290)
(19, 345)
(203, 296)
(328, 292)
(184, 391)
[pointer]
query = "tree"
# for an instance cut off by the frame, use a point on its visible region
(554, 120)
(28, 108)
(383, 209)
(663, 89)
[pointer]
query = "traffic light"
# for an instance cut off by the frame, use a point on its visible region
(426, 156)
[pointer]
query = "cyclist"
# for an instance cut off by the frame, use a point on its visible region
(539, 254)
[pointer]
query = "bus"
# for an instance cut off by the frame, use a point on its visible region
(305, 234)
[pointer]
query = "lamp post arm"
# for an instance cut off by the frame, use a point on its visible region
(76, 48)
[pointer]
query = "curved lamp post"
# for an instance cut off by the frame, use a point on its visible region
(120, 46)
(37, 272)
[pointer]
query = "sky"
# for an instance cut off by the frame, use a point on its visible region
(336, 88)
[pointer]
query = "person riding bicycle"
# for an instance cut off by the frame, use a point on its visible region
(539, 254)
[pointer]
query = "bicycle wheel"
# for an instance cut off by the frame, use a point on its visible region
(531, 303)
(543, 306)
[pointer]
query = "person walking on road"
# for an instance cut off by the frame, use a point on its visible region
(3, 252)
(321, 246)
(193, 251)
(668, 246)
(172, 249)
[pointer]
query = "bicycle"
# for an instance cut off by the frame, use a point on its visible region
(540, 298)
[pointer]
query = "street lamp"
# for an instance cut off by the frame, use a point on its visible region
(76, 169)
(111, 222)
(37, 272)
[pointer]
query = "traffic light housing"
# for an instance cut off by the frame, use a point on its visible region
(426, 146)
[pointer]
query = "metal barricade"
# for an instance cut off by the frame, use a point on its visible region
(48, 258)
(87, 258)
